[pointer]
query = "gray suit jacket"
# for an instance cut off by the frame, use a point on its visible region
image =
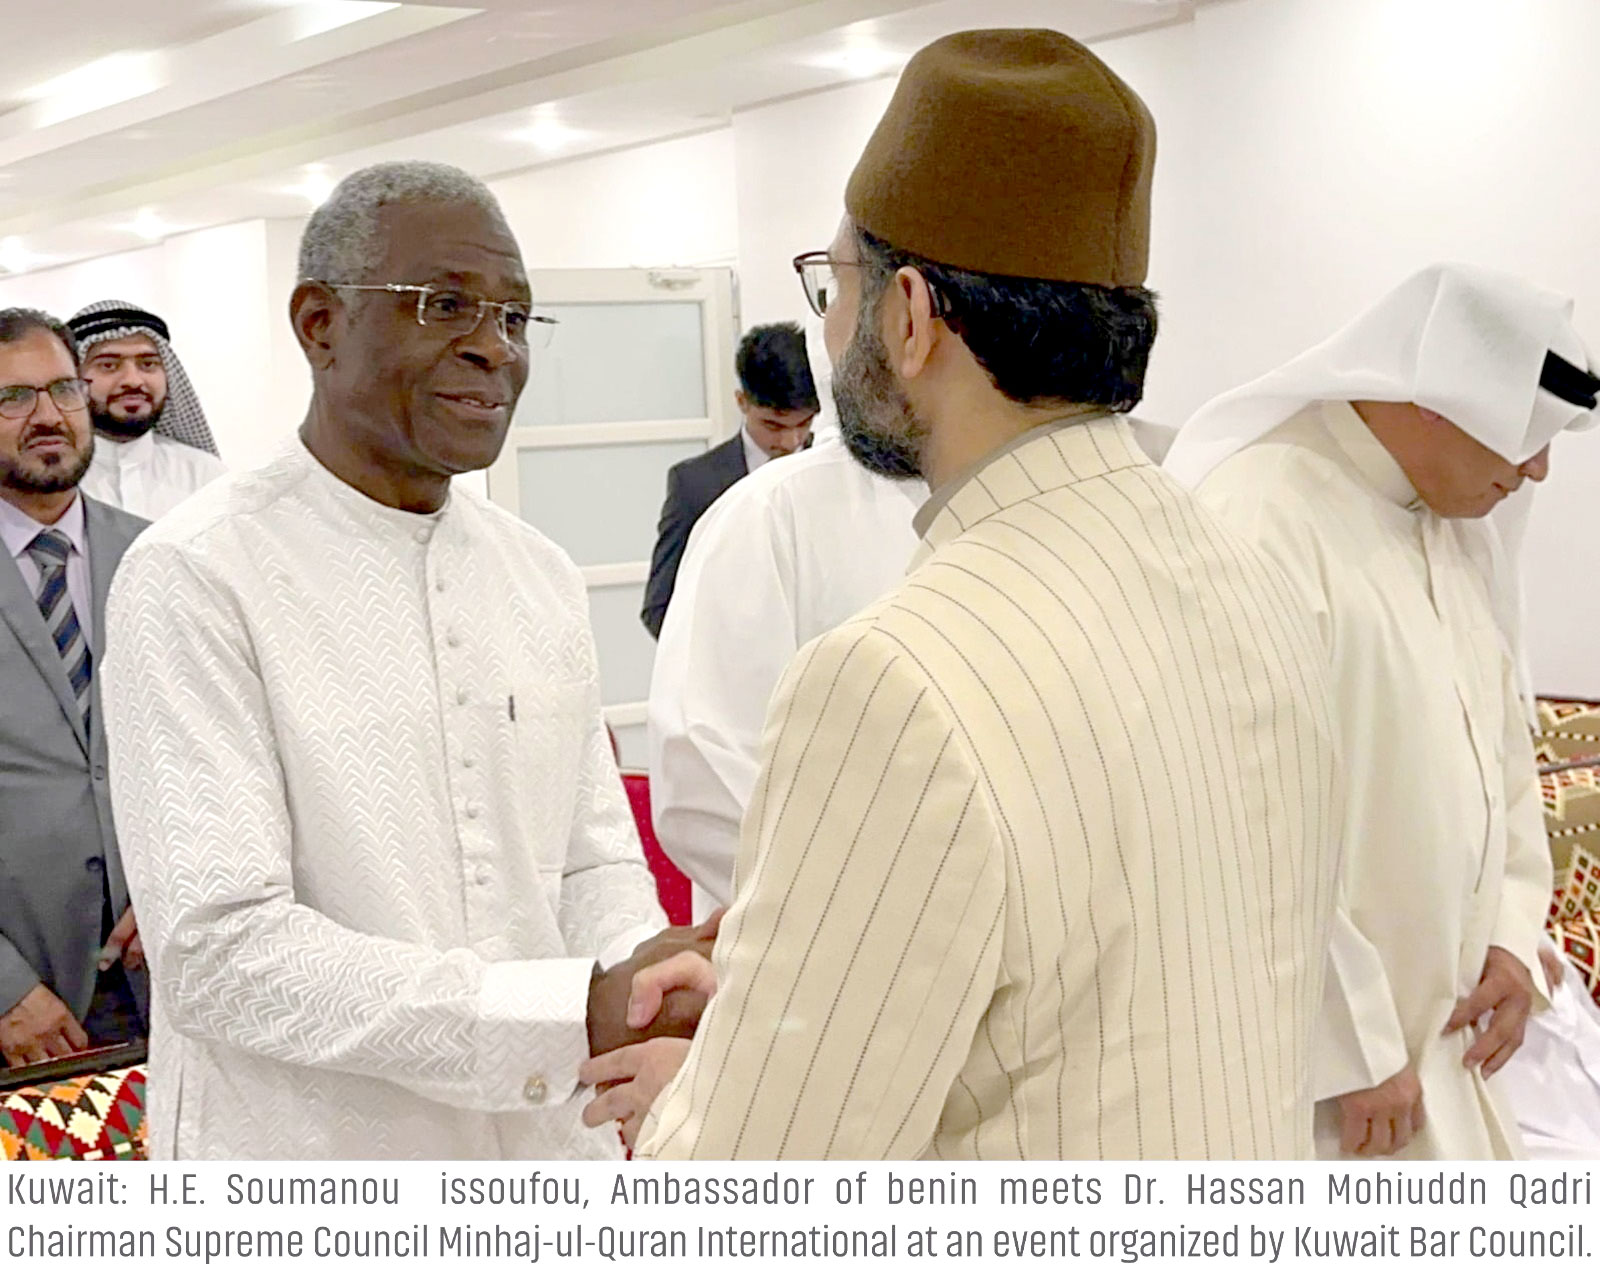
(57, 842)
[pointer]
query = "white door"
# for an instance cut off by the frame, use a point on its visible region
(638, 377)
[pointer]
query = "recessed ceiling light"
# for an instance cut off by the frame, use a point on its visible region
(149, 225)
(315, 186)
(861, 59)
(548, 133)
(14, 256)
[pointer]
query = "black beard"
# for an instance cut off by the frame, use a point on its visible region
(62, 477)
(123, 427)
(876, 420)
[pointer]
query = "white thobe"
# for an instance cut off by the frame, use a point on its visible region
(1553, 1083)
(371, 823)
(782, 556)
(1445, 851)
(149, 475)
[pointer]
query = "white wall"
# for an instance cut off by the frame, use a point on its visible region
(791, 163)
(664, 205)
(211, 288)
(1314, 152)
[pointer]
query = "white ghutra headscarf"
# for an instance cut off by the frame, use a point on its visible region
(182, 419)
(1494, 355)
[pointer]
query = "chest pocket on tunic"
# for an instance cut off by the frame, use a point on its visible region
(549, 722)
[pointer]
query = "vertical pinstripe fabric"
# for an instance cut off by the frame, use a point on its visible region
(1041, 859)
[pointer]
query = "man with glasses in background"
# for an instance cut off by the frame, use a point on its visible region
(71, 968)
(389, 880)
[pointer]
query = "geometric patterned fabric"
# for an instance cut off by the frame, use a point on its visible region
(1569, 732)
(1579, 938)
(90, 1117)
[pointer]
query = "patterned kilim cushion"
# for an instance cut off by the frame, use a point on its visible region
(92, 1117)
(1569, 731)
(1577, 892)
(1579, 938)
(1569, 728)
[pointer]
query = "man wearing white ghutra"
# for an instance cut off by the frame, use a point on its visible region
(153, 446)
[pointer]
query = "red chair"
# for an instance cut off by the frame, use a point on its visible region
(672, 888)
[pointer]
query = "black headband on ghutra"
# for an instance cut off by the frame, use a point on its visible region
(1567, 382)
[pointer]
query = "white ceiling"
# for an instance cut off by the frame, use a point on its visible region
(219, 110)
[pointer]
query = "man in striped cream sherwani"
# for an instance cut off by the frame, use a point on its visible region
(1040, 861)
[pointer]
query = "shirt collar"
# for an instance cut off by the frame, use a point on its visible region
(379, 518)
(755, 456)
(18, 530)
(935, 504)
(1371, 459)
(1050, 456)
(134, 452)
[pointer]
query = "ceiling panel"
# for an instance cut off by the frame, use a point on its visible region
(497, 87)
(50, 39)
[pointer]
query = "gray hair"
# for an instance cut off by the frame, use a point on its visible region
(342, 243)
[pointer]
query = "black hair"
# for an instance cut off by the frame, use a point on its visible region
(16, 323)
(1040, 342)
(773, 369)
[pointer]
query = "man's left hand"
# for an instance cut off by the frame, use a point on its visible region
(1505, 990)
(124, 945)
(636, 1075)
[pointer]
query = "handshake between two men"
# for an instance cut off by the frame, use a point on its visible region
(643, 1012)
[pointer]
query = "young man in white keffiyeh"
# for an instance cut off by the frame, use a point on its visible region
(154, 448)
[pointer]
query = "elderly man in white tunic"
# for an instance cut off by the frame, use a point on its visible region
(370, 817)
(1372, 467)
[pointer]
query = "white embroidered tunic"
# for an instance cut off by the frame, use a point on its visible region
(371, 822)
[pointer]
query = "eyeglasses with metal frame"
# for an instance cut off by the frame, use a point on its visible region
(69, 394)
(459, 313)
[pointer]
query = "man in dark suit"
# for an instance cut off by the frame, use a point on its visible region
(779, 403)
(71, 966)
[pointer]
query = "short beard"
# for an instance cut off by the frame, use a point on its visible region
(876, 420)
(61, 477)
(124, 427)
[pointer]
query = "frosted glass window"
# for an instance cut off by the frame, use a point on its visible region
(618, 362)
(627, 652)
(600, 502)
(633, 745)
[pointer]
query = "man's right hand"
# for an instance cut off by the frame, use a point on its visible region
(611, 992)
(1379, 1121)
(39, 1027)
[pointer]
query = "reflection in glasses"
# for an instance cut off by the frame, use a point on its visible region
(69, 394)
(458, 314)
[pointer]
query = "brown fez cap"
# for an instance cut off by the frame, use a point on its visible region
(1016, 153)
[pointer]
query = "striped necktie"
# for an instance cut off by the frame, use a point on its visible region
(49, 551)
